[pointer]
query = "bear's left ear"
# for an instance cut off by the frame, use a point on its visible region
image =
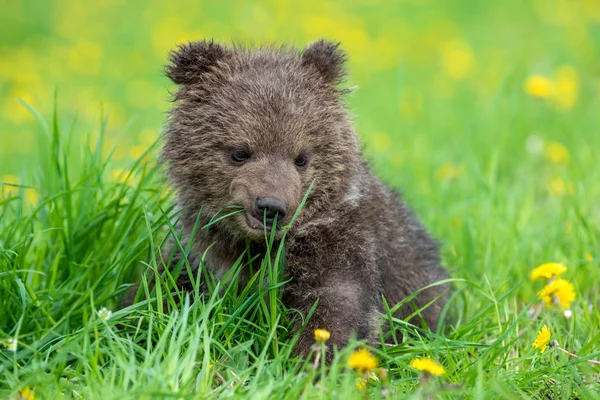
(190, 61)
(327, 58)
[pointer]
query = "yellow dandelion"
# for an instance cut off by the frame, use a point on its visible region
(457, 59)
(538, 86)
(27, 394)
(362, 360)
(560, 291)
(322, 335)
(557, 153)
(122, 176)
(566, 87)
(589, 257)
(8, 190)
(558, 187)
(547, 271)
(137, 151)
(450, 171)
(428, 365)
(31, 196)
(543, 339)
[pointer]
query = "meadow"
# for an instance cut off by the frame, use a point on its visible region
(485, 115)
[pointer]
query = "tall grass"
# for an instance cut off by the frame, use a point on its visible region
(90, 237)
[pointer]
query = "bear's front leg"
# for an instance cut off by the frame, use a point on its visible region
(343, 279)
(345, 307)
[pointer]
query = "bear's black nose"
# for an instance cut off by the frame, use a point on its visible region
(268, 207)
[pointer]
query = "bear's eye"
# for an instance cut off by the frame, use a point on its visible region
(301, 160)
(240, 155)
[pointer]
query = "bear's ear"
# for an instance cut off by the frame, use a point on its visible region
(189, 61)
(327, 58)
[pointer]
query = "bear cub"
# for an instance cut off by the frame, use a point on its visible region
(254, 128)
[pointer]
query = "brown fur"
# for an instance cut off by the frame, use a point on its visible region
(354, 239)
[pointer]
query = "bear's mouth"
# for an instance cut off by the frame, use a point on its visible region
(256, 224)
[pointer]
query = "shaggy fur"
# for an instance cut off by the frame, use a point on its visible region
(262, 124)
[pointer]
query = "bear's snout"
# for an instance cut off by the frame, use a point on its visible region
(266, 208)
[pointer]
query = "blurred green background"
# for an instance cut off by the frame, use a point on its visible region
(422, 68)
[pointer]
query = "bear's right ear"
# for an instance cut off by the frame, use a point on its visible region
(190, 61)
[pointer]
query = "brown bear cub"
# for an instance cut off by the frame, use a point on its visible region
(255, 128)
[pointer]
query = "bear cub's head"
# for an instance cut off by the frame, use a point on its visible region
(254, 128)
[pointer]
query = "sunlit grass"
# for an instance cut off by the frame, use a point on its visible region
(483, 114)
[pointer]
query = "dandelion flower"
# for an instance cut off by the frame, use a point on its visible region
(322, 335)
(589, 257)
(538, 86)
(362, 360)
(428, 365)
(104, 314)
(566, 87)
(27, 394)
(547, 271)
(543, 339)
(557, 153)
(560, 291)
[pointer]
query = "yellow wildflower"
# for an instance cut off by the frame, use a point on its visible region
(8, 190)
(362, 360)
(558, 187)
(589, 257)
(457, 59)
(31, 196)
(557, 153)
(26, 394)
(566, 87)
(322, 335)
(538, 86)
(559, 290)
(122, 176)
(547, 271)
(543, 339)
(428, 365)
(137, 151)
(450, 171)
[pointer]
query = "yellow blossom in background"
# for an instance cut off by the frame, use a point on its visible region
(322, 335)
(566, 87)
(450, 171)
(542, 340)
(557, 153)
(538, 86)
(121, 175)
(560, 291)
(559, 187)
(428, 365)
(137, 151)
(31, 196)
(457, 59)
(362, 360)
(589, 257)
(8, 190)
(548, 270)
(381, 142)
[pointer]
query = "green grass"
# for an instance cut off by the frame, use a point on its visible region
(506, 181)
(78, 248)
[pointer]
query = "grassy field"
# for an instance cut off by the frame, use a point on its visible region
(484, 114)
